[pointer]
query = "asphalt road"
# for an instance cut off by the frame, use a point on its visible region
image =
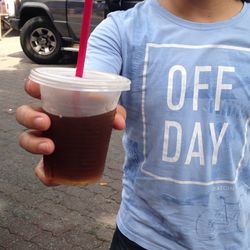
(33, 216)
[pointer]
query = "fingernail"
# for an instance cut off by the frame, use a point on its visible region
(43, 147)
(27, 84)
(39, 121)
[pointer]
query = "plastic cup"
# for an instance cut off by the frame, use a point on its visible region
(81, 112)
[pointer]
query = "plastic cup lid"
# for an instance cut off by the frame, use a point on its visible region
(64, 78)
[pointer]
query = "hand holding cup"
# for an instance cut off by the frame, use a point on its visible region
(35, 119)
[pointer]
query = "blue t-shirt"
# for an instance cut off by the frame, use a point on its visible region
(186, 182)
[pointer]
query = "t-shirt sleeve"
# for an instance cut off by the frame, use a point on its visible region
(104, 47)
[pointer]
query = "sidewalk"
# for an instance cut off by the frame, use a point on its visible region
(33, 216)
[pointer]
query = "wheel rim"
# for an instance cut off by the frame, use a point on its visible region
(43, 41)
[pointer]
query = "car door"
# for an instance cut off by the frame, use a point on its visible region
(75, 13)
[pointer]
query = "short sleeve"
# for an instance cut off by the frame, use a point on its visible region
(104, 47)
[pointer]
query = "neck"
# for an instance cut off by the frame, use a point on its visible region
(203, 10)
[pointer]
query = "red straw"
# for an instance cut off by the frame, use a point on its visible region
(84, 37)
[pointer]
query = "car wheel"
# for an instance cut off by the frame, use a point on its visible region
(40, 41)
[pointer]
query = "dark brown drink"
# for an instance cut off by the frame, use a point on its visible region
(81, 145)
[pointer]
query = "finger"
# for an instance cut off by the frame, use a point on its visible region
(119, 122)
(40, 173)
(122, 111)
(32, 118)
(32, 142)
(120, 118)
(32, 88)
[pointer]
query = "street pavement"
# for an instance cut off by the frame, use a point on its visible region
(33, 216)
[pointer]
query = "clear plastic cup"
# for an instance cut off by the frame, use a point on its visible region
(81, 112)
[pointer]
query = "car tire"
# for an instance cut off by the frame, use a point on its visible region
(40, 41)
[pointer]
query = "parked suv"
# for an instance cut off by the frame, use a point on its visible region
(49, 27)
